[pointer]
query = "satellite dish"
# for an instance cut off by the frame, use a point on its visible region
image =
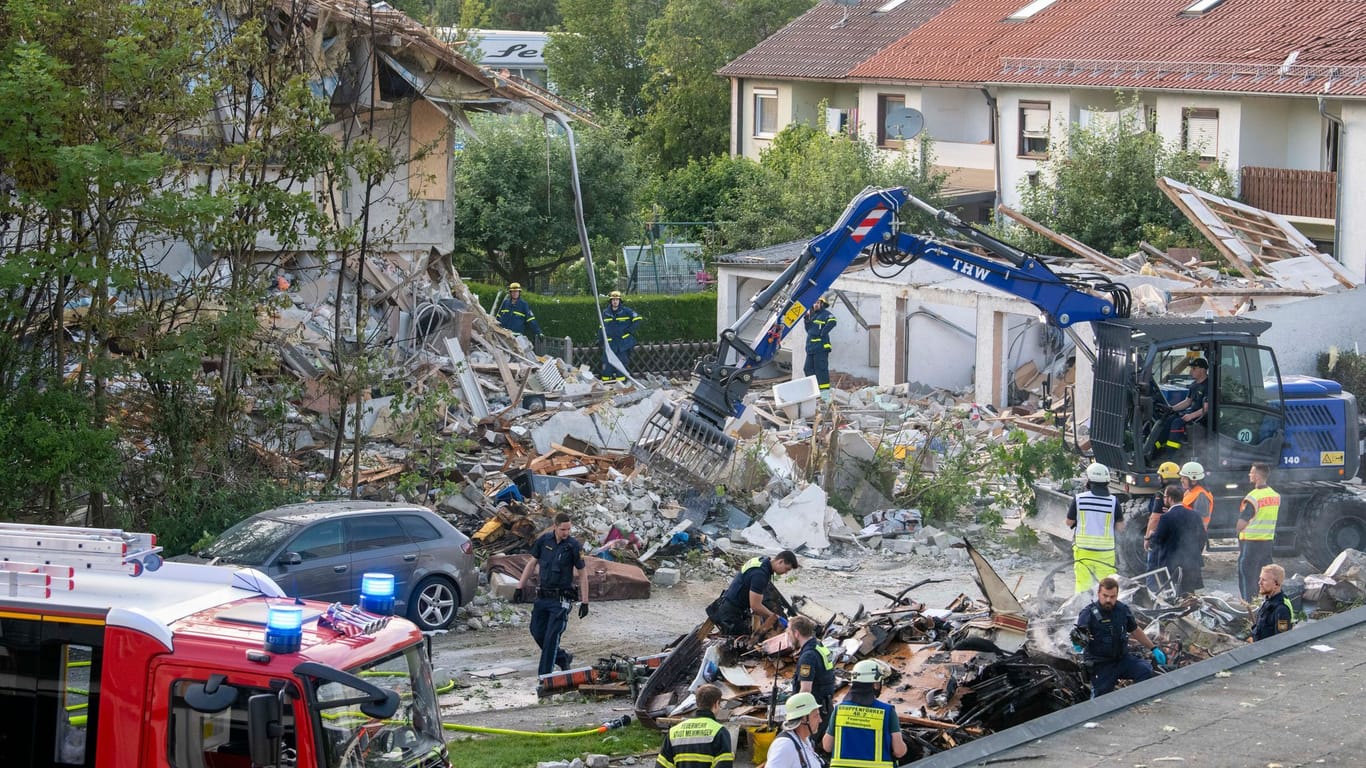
(903, 123)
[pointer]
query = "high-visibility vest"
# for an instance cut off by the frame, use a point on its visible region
(693, 742)
(1095, 522)
(1195, 492)
(859, 738)
(1266, 506)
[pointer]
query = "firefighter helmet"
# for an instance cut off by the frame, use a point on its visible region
(514, 286)
(1193, 470)
(1168, 470)
(1098, 473)
(799, 706)
(867, 671)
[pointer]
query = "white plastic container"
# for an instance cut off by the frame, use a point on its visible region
(798, 398)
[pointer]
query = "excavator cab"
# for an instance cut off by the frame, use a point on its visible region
(1146, 366)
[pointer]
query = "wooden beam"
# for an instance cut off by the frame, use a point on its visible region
(1072, 244)
(1185, 206)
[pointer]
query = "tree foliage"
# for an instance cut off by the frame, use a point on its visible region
(596, 55)
(1102, 188)
(688, 106)
(513, 192)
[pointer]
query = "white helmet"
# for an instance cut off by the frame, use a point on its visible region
(1098, 473)
(800, 705)
(1193, 470)
(867, 671)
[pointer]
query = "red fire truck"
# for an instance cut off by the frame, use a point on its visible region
(111, 657)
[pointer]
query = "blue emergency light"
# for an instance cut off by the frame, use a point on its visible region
(284, 628)
(377, 593)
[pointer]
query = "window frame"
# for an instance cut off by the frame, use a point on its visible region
(1025, 136)
(884, 104)
(765, 96)
(1210, 154)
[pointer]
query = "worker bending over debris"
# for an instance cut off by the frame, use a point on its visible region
(743, 600)
(1095, 518)
(864, 732)
(1101, 635)
(1275, 614)
(700, 741)
(558, 554)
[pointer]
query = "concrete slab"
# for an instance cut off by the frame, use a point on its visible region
(800, 519)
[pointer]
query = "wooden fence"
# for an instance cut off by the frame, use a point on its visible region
(1290, 192)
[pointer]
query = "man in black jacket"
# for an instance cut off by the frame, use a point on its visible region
(1275, 614)
(1180, 542)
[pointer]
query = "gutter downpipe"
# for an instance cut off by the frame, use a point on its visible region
(1337, 181)
(996, 149)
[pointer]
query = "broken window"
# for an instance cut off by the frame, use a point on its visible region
(765, 112)
(886, 104)
(1034, 117)
(1200, 132)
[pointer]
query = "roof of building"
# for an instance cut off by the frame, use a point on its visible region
(1242, 46)
(825, 43)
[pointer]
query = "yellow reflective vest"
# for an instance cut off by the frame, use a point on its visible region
(1095, 522)
(1266, 507)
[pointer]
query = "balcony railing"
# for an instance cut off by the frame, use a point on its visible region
(1290, 192)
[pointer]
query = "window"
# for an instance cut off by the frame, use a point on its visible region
(49, 691)
(1029, 10)
(1200, 6)
(1034, 118)
(837, 121)
(889, 6)
(418, 529)
(1200, 132)
(374, 532)
(322, 540)
(765, 112)
(886, 105)
(1330, 146)
(204, 739)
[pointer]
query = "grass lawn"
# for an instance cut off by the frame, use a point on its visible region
(507, 751)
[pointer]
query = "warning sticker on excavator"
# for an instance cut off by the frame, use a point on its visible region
(794, 313)
(1331, 458)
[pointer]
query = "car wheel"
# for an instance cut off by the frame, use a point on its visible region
(434, 603)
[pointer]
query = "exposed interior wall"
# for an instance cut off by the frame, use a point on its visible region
(430, 146)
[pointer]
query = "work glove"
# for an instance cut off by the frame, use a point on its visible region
(583, 610)
(782, 622)
(1079, 638)
(1160, 657)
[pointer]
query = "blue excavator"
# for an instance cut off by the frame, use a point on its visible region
(1305, 428)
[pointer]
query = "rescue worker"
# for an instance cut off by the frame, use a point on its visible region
(864, 732)
(1170, 475)
(1276, 614)
(1101, 635)
(619, 321)
(1180, 541)
(700, 741)
(1095, 516)
(1256, 528)
(793, 747)
(558, 555)
(815, 665)
(515, 314)
(1191, 411)
(1197, 496)
(744, 598)
(820, 321)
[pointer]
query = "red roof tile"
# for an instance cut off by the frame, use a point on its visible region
(823, 44)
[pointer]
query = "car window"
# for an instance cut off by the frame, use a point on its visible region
(320, 540)
(251, 541)
(418, 529)
(375, 532)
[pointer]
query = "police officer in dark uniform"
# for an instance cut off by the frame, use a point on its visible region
(558, 554)
(1275, 614)
(1102, 632)
(815, 666)
(744, 597)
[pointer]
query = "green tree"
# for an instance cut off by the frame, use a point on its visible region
(687, 114)
(1103, 191)
(596, 55)
(536, 15)
(513, 192)
(701, 190)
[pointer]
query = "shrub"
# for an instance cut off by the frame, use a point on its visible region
(666, 317)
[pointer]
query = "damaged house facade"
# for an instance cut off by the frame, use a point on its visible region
(997, 85)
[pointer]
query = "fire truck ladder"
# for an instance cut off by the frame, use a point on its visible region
(40, 558)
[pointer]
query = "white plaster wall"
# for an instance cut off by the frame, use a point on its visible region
(956, 114)
(1302, 329)
(751, 145)
(1264, 127)
(1352, 186)
(1014, 168)
(867, 105)
(1169, 123)
(1305, 135)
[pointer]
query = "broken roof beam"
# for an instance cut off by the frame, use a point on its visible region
(1070, 243)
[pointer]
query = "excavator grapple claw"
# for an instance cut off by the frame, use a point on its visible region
(683, 448)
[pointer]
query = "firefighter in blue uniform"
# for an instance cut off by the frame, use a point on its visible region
(820, 321)
(515, 314)
(815, 666)
(619, 321)
(558, 555)
(744, 598)
(1101, 635)
(864, 732)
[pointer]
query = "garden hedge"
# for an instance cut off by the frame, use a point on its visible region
(664, 317)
